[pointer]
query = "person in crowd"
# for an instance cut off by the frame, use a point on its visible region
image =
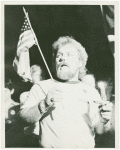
(31, 132)
(12, 128)
(106, 88)
(89, 79)
(64, 105)
(10, 105)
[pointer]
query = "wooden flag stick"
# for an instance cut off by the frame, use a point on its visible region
(26, 14)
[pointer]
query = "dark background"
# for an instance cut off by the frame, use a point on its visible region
(83, 22)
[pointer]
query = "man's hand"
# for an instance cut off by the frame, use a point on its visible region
(54, 95)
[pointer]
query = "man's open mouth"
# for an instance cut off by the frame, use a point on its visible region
(63, 65)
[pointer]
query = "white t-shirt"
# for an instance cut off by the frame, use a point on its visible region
(70, 124)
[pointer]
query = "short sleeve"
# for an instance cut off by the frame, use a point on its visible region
(23, 97)
(35, 95)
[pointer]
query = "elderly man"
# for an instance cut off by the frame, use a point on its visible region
(66, 108)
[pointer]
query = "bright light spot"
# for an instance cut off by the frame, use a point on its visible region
(12, 112)
(101, 84)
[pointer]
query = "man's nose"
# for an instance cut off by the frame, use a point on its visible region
(63, 57)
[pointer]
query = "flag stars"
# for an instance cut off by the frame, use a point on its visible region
(25, 25)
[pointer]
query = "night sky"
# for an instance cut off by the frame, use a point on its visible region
(83, 22)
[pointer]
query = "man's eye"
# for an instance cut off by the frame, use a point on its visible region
(58, 56)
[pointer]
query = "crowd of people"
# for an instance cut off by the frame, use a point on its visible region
(70, 110)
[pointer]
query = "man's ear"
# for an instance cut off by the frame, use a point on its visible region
(12, 91)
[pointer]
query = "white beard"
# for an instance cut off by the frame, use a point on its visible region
(65, 74)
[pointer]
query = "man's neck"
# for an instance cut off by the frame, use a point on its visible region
(69, 82)
(73, 80)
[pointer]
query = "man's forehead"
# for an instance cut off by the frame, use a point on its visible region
(67, 48)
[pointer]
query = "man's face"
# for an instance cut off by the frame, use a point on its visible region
(67, 62)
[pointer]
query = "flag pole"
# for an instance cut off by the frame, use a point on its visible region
(26, 14)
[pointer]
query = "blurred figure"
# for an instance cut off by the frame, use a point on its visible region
(36, 73)
(106, 88)
(10, 105)
(13, 129)
(89, 79)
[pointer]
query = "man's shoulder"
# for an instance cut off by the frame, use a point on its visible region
(44, 83)
(87, 87)
(48, 81)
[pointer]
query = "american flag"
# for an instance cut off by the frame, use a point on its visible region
(21, 62)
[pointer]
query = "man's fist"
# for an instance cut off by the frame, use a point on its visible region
(54, 95)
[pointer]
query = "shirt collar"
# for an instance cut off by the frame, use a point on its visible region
(69, 82)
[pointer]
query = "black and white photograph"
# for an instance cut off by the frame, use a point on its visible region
(59, 75)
